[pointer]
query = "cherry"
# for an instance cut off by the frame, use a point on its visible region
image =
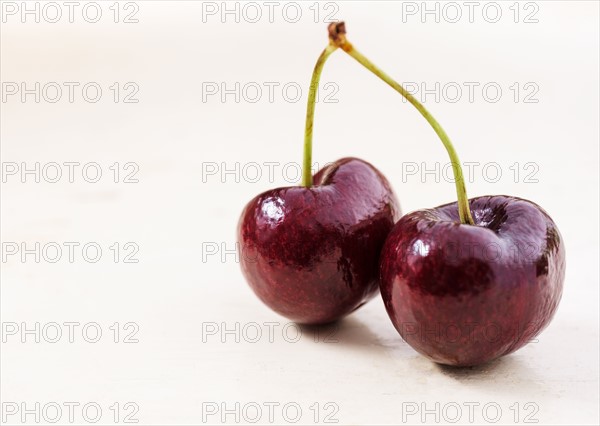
(468, 282)
(311, 252)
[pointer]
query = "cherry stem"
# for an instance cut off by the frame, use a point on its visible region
(310, 115)
(337, 37)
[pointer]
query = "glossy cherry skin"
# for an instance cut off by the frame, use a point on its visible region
(463, 295)
(312, 254)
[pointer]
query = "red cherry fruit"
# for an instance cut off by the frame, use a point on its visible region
(467, 294)
(312, 254)
(465, 288)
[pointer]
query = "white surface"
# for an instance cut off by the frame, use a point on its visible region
(367, 373)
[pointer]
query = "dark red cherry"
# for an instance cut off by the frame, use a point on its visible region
(312, 254)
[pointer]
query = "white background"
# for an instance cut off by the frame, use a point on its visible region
(179, 292)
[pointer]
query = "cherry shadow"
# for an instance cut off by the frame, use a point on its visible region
(352, 333)
(371, 336)
(348, 331)
(381, 341)
(492, 368)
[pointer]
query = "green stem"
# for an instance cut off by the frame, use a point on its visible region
(337, 35)
(310, 115)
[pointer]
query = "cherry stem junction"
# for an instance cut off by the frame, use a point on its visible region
(337, 39)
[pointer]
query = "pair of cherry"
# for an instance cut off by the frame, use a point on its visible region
(463, 283)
